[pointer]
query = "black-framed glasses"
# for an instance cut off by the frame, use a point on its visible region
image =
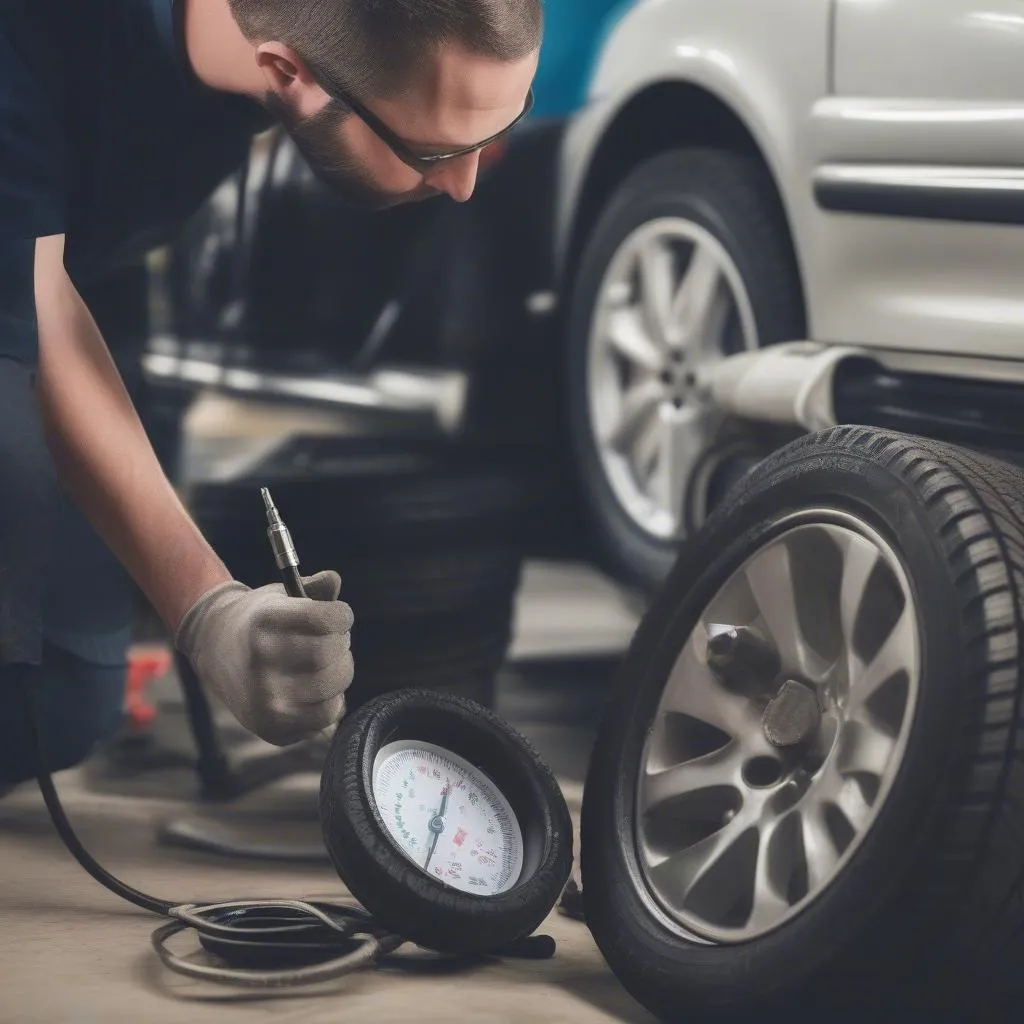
(403, 150)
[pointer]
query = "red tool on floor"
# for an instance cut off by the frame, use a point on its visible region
(144, 665)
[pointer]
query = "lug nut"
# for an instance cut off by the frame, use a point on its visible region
(792, 716)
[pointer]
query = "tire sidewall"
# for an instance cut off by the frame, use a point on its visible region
(673, 184)
(654, 962)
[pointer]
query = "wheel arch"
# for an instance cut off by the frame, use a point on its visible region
(664, 115)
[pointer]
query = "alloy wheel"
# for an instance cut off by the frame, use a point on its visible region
(779, 732)
(672, 304)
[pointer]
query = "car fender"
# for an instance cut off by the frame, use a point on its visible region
(768, 63)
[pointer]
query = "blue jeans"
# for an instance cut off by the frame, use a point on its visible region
(78, 703)
(84, 601)
(87, 625)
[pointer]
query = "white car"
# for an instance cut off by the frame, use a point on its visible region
(791, 237)
(746, 173)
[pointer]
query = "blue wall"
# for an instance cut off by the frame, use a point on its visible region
(574, 32)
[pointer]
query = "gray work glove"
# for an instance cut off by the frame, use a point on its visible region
(280, 664)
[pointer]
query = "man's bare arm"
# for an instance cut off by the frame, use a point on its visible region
(102, 454)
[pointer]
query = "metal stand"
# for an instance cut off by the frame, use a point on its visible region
(223, 781)
(219, 778)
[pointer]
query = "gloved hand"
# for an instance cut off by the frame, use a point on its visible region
(280, 664)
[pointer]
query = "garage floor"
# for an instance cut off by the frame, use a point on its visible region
(71, 953)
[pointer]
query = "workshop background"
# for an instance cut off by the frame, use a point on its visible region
(728, 230)
(347, 404)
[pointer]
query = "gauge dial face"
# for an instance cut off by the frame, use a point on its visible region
(448, 817)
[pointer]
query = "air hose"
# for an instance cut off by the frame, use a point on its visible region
(267, 944)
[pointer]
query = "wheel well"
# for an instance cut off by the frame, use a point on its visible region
(664, 116)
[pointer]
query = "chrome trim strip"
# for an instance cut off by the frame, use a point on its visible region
(438, 394)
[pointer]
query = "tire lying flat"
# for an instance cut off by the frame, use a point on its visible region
(926, 902)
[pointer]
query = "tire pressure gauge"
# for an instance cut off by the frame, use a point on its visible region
(443, 822)
(447, 817)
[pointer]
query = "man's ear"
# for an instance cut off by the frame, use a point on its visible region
(289, 77)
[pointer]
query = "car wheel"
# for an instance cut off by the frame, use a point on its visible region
(807, 788)
(689, 263)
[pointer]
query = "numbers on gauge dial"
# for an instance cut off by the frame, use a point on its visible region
(448, 817)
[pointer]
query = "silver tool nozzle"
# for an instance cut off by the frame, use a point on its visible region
(280, 539)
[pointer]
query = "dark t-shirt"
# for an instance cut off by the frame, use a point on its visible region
(106, 136)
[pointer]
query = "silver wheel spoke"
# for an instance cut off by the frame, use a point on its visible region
(694, 302)
(712, 336)
(820, 854)
(769, 905)
(639, 406)
(720, 768)
(860, 557)
(770, 576)
(864, 748)
(682, 442)
(646, 448)
(630, 340)
(657, 273)
(855, 808)
(897, 653)
(677, 874)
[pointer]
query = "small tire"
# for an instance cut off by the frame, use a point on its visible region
(929, 909)
(730, 197)
(403, 899)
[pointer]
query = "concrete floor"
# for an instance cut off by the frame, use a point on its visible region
(71, 953)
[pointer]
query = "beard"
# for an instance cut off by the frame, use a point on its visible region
(318, 139)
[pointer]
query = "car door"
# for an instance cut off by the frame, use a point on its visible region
(919, 176)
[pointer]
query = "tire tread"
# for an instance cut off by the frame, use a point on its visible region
(963, 906)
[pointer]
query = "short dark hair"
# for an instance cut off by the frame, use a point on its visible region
(376, 47)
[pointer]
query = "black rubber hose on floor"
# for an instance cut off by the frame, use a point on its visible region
(269, 934)
(272, 944)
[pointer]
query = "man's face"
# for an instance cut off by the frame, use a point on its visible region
(460, 101)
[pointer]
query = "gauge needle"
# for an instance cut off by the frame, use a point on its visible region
(439, 825)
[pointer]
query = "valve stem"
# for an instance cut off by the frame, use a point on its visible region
(742, 660)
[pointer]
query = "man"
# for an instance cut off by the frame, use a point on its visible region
(117, 118)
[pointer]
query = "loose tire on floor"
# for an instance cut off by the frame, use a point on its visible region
(928, 907)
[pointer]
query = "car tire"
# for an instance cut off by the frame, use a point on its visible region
(719, 204)
(928, 907)
(375, 491)
(429, 544)
(380, 584)
(411, 534)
